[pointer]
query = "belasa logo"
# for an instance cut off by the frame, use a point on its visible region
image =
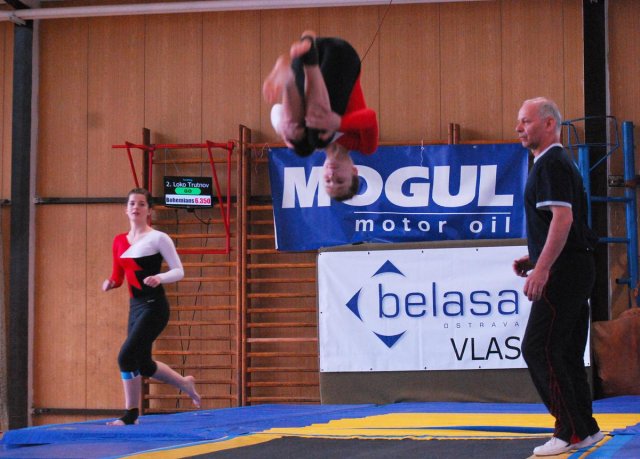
(388, 301)
(354, 305)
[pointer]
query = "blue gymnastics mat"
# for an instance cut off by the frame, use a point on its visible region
(285, 430)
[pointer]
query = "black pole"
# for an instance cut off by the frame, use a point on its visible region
(595, 105)
(18, 320)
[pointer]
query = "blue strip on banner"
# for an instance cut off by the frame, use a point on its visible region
(407, 194)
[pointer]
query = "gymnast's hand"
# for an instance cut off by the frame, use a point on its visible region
(152, 281)
(107, 285)
(324, 120)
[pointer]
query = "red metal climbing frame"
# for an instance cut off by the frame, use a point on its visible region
(224, 204)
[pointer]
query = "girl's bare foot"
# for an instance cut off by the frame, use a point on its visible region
(130, 417)
(275, 81)
(190, 389)
(303, 45)
(119, 422)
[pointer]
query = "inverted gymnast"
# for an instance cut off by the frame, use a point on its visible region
(138, 255)
(318, 104)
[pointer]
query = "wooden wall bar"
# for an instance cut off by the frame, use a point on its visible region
(6, 82)
(193, 77)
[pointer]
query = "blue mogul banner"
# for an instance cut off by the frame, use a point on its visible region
(409, 193)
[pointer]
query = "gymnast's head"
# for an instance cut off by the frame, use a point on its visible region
(339, 175)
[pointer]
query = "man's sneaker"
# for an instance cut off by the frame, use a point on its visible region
(589, 441)
(552, 447)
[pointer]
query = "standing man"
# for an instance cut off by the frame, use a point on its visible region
(560, 272)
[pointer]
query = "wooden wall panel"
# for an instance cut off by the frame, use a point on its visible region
(573, 59)
(6, 100)
(60, 310)
(6, 75)
(231, 79)
(532, 57)
(471, 89)
(115, 102)
(624, 68)
(173, 80)
(362, 38)
(278, 30)
(624, 61)
(410, 108)
(115, 115)
(106, 313)
(62, 145)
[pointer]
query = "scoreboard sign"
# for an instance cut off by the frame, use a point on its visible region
(187, 192)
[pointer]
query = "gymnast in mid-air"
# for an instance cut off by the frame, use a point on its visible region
(318, 104)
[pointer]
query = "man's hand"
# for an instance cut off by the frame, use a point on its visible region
(535, 284)
(522, 266)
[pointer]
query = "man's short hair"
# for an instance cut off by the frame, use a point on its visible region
(548, 108)
(351, 192)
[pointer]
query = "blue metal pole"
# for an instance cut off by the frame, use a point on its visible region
(631, 212)
(585, 171)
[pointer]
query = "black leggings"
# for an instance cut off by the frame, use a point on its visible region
(147, 319)
(340, 67)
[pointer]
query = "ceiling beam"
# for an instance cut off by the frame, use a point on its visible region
(188, 7)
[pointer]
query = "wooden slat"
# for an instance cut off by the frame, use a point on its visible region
(209, 279)
(198, 236)
(194, 338)
(260, 207)
(259, 355)
(282, 340)
(203, 367)
(271, 310)
(281, 295)
(184, 397)
(191, 352)
(199, 294)
(260, 237)
(264, 280)
(228, 307)
(283, 384)
(202, 381)
(261, 251)
(255, 369)
(199, 323)
(268, 399)
(190, 161)
(210, 264)
(280, 265)
(184, 222)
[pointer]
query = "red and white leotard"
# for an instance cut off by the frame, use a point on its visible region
(142, 259)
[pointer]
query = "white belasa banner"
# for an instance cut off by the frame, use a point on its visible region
(421, 309)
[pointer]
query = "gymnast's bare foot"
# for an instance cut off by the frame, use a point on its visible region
(130, 418)
(120, 422)
(302, 46)
(276, 80)
(190, 388)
